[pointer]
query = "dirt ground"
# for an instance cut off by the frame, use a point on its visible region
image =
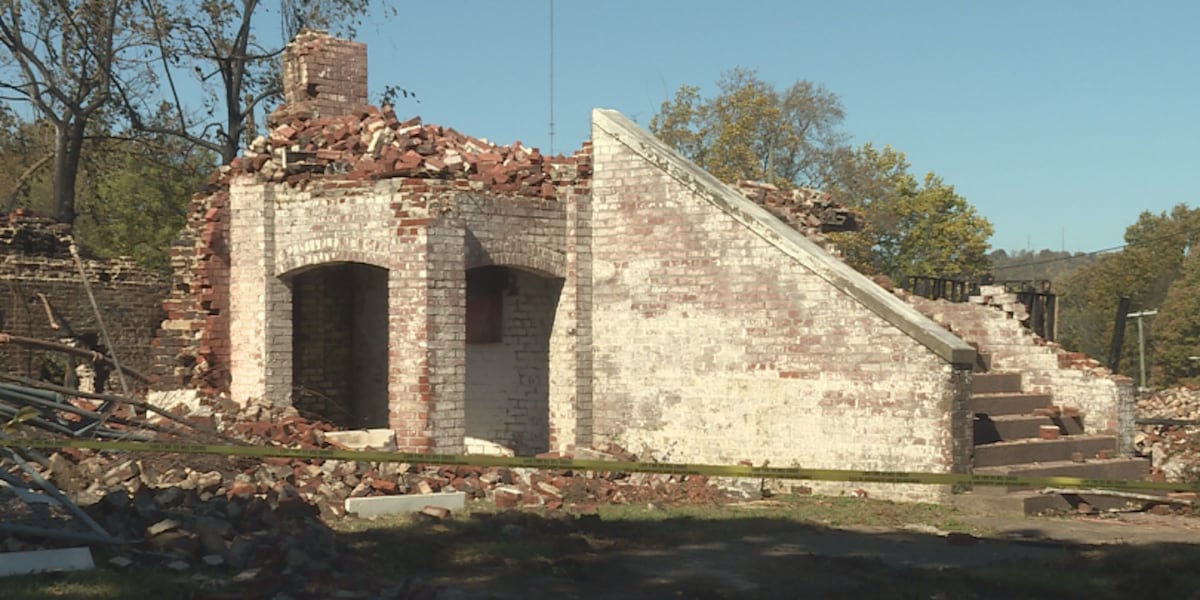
(502, 556)
(808, 547)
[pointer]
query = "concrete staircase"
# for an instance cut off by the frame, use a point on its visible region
(1025, 434)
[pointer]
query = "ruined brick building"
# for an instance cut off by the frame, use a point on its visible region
(386, 273)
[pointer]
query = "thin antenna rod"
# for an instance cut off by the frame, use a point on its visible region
(551, 77)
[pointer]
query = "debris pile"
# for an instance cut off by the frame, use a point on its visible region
(808, 211)
(374, 144)
(265, 517)
(1182, 403)
(1170, 433)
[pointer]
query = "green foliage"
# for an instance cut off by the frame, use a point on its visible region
(130, 194)
(139, 198)
(1177, 328)
(1144, 271)
(911, 228)
(751, 130)
(26, 170)
(1087, 304)
(66, 61)
(1040, 265)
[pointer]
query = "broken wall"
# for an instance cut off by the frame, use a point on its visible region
(421, 203)
(425, 235)
(992, 321)
(44, 298)
(191, 345)
(720, 335)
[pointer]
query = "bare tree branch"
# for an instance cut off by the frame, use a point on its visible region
(10, 201)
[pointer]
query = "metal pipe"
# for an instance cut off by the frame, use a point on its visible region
(57, 495)
(62, 534)
(6, 338)
(1142, 343)
(146, 406)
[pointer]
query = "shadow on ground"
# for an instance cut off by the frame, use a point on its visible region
(511, 555)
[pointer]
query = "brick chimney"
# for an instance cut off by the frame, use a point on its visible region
(324, 74)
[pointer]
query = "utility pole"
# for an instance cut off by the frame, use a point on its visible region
(1142, 342)
(551, 77)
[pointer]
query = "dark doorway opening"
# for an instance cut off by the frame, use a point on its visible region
(340, 344)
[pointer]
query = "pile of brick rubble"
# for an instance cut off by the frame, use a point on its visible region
(374, 144)
(266, 518)
(1173, 444)
(811, 212)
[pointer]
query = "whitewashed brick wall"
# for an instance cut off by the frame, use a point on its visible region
(508, 382)
(713, 344)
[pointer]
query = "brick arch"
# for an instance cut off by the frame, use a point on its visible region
(294, 262)
(516, 254)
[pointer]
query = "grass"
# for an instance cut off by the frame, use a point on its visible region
(100, 584)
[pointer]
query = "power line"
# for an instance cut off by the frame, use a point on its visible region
(1185, 232)
(1060, 258)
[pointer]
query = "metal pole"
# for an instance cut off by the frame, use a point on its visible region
(1118, 338)
(1142, 343)
(1142, 353)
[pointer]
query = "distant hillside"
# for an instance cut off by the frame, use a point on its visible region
(1028, 265)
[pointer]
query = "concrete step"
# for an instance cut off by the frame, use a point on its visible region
(1122, 468)
(994, 383)
(1008, 403)
(1024, 504)
(1031, 451)
(990, 429)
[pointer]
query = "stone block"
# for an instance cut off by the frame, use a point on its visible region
(393, 505)
(363, 439)
(46, 561)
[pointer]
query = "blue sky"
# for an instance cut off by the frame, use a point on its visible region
(1059, 121)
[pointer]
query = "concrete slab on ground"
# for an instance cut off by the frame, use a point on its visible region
(46, 561)
(393, 505)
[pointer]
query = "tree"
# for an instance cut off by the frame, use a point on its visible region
(910, 228)
(213, 41)
(751, 130)
(1177, 328)
(137, 199)
(26, 153)
(1042, 265)
(1144, 271)
(63, 58)
(130, 194)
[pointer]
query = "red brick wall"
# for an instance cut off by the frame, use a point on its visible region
(324, 75)
(192, 343)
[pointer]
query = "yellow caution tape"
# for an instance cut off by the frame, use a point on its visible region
(474, 460)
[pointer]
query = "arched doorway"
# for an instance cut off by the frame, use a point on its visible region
(510, 316)
(340, 344)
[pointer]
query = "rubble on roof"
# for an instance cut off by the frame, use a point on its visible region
(811, 212)
(374, 144)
